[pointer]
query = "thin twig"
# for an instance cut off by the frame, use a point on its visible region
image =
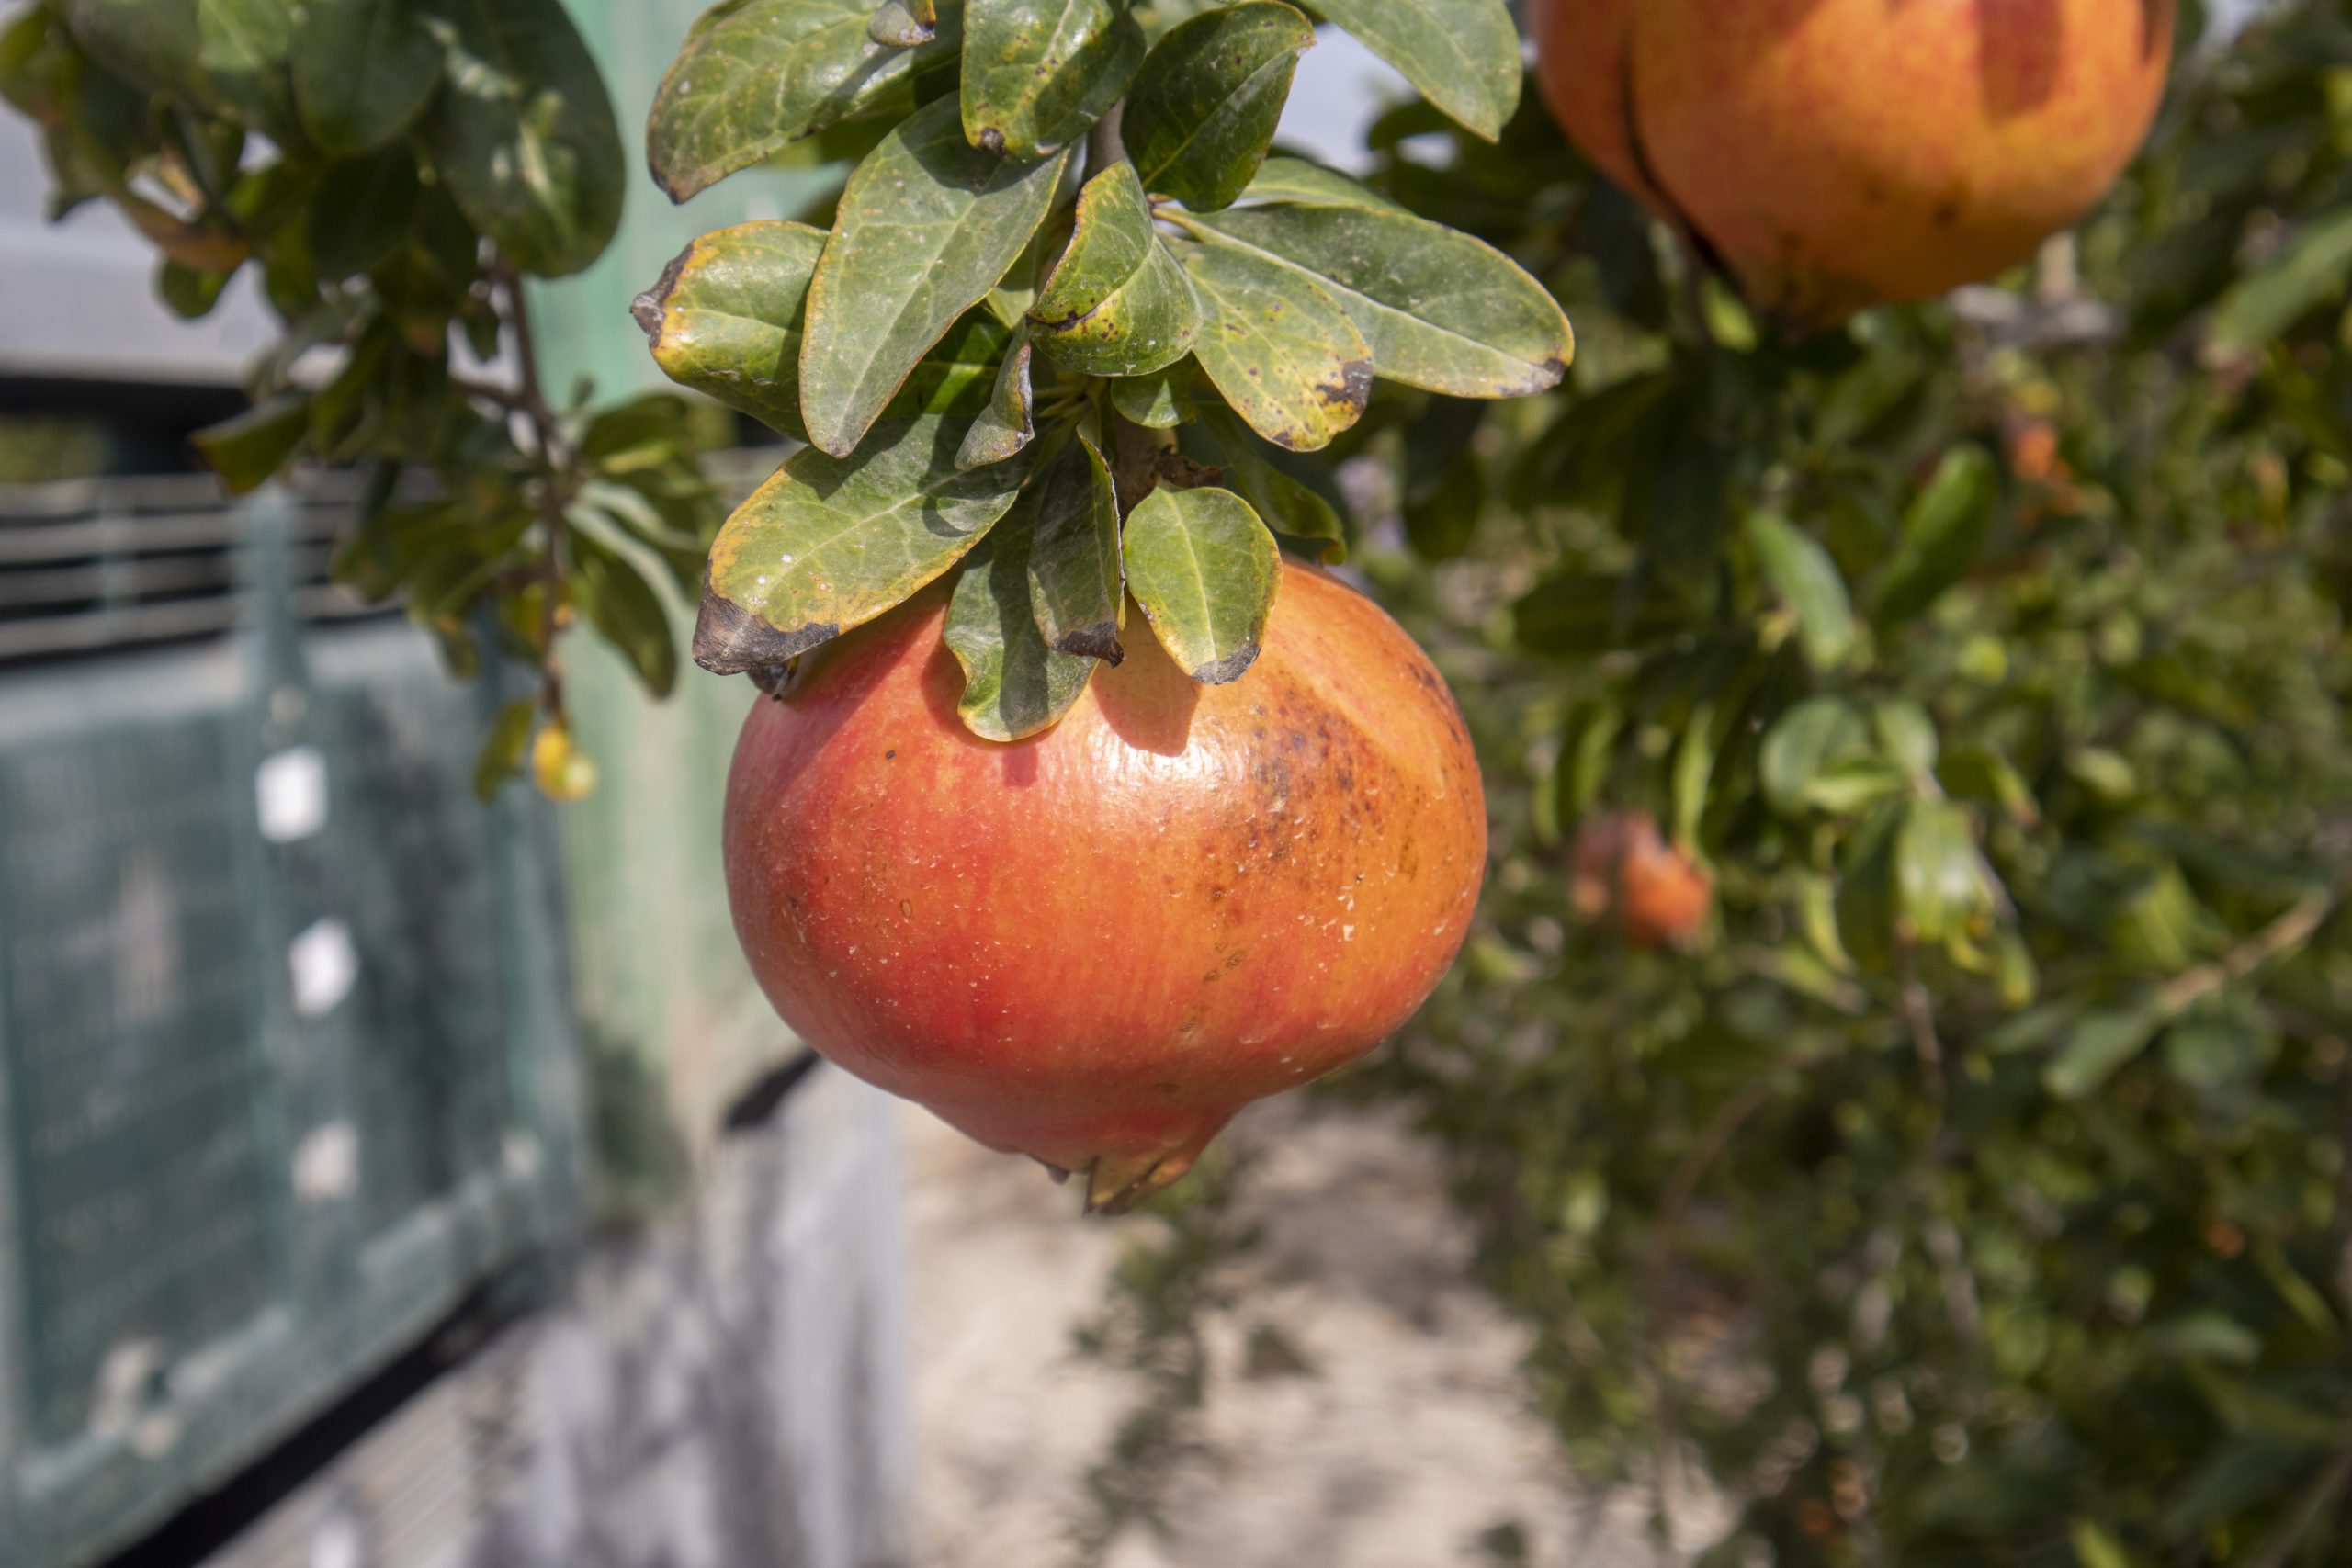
(511, 399)
(556, 472)
(2327, 1486)
(1919, 1015)
(2281, 936)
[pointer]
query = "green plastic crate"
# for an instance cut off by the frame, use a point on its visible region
(285, 1065)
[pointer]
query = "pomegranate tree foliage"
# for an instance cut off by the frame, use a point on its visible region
(1064, 286)
(392, 170)
(1972, 1187)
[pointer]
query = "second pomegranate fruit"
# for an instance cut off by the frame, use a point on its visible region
(1838, 154)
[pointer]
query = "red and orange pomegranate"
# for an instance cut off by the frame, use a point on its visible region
(1095, 945)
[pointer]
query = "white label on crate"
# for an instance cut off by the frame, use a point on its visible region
(290, 791)
(325, 967)
(326, 1164)
(336, 1542)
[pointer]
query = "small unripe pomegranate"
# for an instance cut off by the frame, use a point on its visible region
(1839, 153)
(1095, 945)
(1623, 868)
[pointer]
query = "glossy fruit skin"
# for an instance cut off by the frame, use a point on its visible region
(1095, 945)
(1624, 871)
(1841, 153)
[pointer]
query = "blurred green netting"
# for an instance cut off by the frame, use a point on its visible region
(281, 1025)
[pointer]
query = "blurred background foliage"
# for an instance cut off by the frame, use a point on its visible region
(1968, 1184)
(394, 177)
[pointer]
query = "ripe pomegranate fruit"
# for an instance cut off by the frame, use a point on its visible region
(1095, 945)
(1838, 154)
(1623, 866)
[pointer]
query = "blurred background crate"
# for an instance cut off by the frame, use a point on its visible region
(282, 1044)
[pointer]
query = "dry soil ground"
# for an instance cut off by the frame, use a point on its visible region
(1405, 1441)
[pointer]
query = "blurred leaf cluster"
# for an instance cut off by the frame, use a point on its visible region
(1971, 1187)
(389, 172)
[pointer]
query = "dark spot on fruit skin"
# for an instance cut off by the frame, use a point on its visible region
(1948, 212)
(889, 756)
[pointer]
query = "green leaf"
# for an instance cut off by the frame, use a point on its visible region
(1009, 422)
(2101, 1043)
(1441, 309)
(1015, 686)
(1586, 746)
(1010, 300)
(154, 43)
(618, 600)
(1203, 110)
(1161, 401)
(728, 314)
(247, 450)
(830, 543)
(1078, 585)
(1979, 773)
(1116, 304)
(339, 412)
(1441, 519)
(1807, 580)
(1866, 891)
(2311, 271)
(524, 136)
(1278, 347)
(1586, 612)
(1444, 486)
(1281, 502)
(1297, 181)
(1693, 767)
(1462, 54)
(226, 56)
(1037, 73)
(1803, 745)
(241, 51)
(192, 293)
(1939, 877)
(1205, 571)
(904, 24)
(1907, 736)
(363, 71)
(362, 215)
(927, 227)
(756, 75)
(2095, 1548)
(501, 757)
(1945, 527)
(2207, 1337)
